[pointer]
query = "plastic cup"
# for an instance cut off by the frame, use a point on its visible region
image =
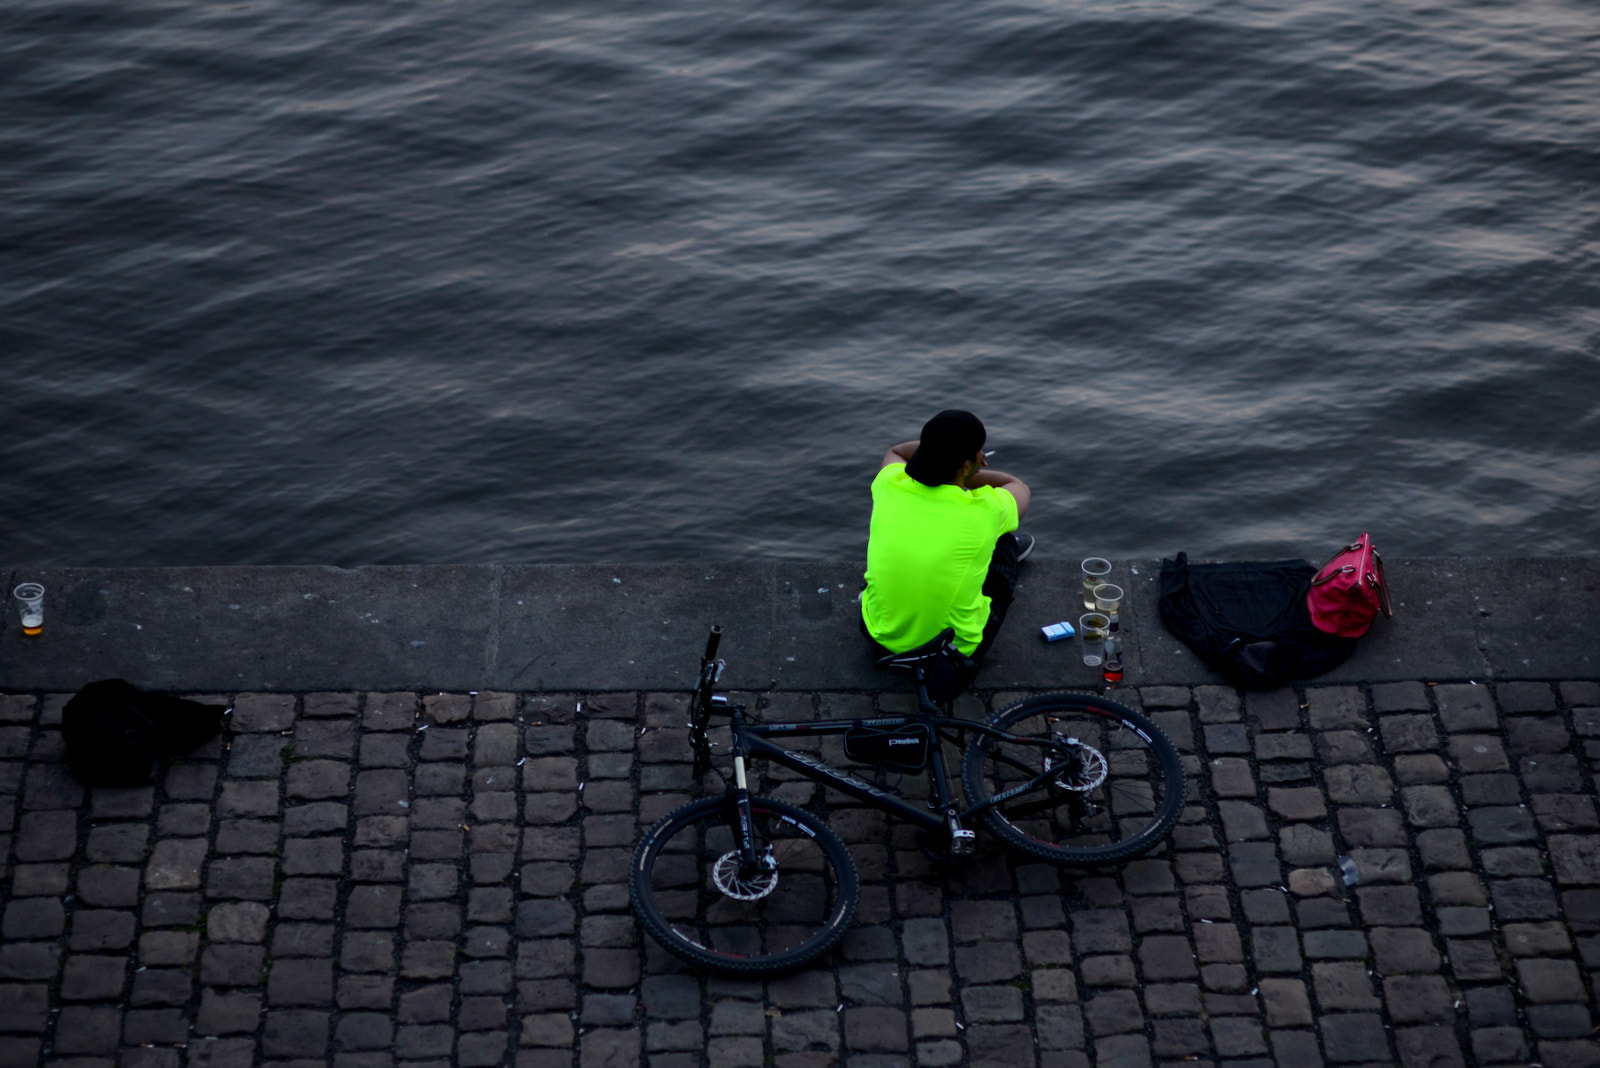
(1108, 600)
(1093, 628)
(30, 600)
(1095, 572)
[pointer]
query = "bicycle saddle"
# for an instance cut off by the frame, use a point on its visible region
(922, 656)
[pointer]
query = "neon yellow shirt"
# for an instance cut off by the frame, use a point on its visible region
(928, 551)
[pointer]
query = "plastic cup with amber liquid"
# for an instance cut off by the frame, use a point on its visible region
(30, 601)
(1093, 627)
(1096, 572)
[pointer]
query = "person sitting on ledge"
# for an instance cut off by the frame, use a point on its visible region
(943, 549)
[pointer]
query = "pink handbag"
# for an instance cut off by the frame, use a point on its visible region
(1349, 591)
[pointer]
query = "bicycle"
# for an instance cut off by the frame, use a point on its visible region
(748, 885)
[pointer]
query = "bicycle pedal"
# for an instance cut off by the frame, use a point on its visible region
(963, 843)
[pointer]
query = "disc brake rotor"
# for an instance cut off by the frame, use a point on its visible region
(1084, 773)
(727, 873)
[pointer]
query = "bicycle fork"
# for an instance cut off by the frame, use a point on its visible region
(752, 861)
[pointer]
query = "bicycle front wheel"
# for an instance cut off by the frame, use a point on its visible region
(693, 895)
(1082, 781)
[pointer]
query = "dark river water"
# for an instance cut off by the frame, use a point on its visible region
(413, 282)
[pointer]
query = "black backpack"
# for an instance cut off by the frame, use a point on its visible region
(1249, 621)
(115, 733)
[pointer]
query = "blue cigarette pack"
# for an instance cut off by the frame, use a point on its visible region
(1057, 631)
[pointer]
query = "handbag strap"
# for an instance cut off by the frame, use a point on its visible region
(1383, 586)
(1329, 576)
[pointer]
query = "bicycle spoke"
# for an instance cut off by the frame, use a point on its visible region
(706, 903)
(1102, 791)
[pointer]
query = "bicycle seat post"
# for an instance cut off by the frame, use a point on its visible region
(925, 702)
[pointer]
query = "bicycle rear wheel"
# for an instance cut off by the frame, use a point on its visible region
(691, 895)
(1087, 780)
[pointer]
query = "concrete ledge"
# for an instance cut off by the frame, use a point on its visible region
(788, 626)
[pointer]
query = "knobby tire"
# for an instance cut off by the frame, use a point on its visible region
(1130, 811)
(806, 914)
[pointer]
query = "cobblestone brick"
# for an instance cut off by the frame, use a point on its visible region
(1473, 960)
(1524, 899)
(1276, 949)
(1418, 999)
(1231, 777)
(1399, 950)
(1333, 707)
(1114, 1012)
(1358, 784)
(1224, 738)
(1425, 1047)
(28, 918)
(1371, 827)
(1525, 696)
(1550, 981)
(93, 978)
(101, 929)
(1283, 747)
(1101, 931)
(1167, 957)
(48, 835)
(1465, 707)
(1242, 821)
(1265, 907)
(1301, 803)
(82, 1029)
(1254, 864)
(1560, 1021)
(1477, 753)
(1335, 944)
(1382, 865)
(991, 1004)
(1237, 1036)
(1354, 1037)
(223, 1013)
(1272, 710)
(1157, 914)
(1285, 1002)
(1408, 733)
(1216, 704)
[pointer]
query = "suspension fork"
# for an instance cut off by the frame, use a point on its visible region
(739, 791)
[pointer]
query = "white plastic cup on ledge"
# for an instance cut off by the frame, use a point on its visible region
(30, 602)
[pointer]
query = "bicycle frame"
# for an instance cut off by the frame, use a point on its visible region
(752, 740)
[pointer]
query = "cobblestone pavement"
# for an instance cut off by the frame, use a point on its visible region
(395, 879)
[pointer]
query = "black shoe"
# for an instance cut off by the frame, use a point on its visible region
(1025, 544)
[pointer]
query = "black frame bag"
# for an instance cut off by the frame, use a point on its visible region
(1249, 621)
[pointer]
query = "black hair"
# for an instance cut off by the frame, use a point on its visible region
(948, 440)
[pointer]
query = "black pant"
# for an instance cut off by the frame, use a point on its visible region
(999, 585)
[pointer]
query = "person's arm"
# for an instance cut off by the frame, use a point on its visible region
(899, 454)
(1010, 483)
